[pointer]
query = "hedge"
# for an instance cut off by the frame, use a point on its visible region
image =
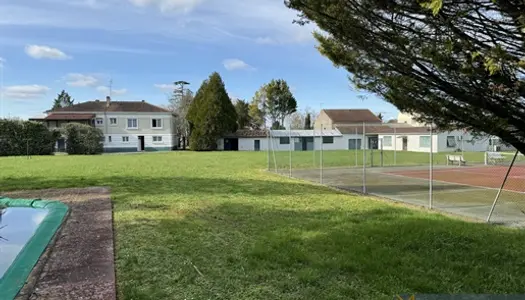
(26, 137)
(83, 139)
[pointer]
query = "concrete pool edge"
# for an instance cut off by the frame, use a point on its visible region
(17, 274)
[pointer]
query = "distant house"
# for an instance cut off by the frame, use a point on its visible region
(332, 118)
(128, 126)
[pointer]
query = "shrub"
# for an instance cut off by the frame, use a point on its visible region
(26, 137)
(83, 139)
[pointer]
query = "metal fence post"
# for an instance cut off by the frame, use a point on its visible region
(321, 156)
(355, 146)
(395, 146)
(290, 140)
(364, 158)
(268, 148)
(431, 170)
(502, 186)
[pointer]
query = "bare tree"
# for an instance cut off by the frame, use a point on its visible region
(180, 102)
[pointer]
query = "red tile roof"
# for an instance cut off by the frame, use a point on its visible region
(114, 106)
(343, 116)
(66, 117)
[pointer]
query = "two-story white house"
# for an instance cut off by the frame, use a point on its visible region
(128, 126)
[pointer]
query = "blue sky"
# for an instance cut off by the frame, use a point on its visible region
(145, 45)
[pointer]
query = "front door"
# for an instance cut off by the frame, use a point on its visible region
(257, 145)
(405, 144)
(141, 143)
(373, 142)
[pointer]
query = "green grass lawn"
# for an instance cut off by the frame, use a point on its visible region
(217, 226)
(352, 158)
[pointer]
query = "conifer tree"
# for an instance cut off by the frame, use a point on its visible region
(211, 114)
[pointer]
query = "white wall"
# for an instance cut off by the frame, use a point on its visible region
(480, 144)
(116, 141)
(248, 144)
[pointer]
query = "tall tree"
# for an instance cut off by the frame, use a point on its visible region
(454, 64)
(180, 102)
(280, 101)
(256, 110)
(63, 100)
(308, 121)
(211, 114)
(243, 113)
(297, 120)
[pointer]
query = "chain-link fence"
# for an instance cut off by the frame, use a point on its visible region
(461, 175)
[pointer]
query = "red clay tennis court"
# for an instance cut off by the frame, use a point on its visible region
(480, 176)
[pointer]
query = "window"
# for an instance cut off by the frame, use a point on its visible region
(102, 139)
(132, 124)
(424, 141)
(157, 139)
(125, 139)
(354, 144)
(99, 121)
(156, 123)
(328, 139)
(387, 141)
(451, 141)
(113, 121)
(284, 140)
(109, 138)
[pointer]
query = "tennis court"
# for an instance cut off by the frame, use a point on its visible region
(466, 190)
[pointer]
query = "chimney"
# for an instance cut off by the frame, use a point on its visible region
(108, 101)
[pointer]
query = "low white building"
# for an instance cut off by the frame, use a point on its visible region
(383, 136)
(281, 140)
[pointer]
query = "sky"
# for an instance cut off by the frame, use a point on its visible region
(143, 46)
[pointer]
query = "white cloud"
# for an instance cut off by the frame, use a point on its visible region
(81, 80)
(25, 91)
(105, 90)
(164, 86)
(39, 52)
(256, 21)
(236, 64)
(183, 6)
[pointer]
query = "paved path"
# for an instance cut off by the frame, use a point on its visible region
(80, 265)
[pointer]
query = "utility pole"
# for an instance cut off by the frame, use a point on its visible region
(181, 83)
(110, 87)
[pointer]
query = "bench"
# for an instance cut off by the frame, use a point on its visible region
(494, 157)
(456, 158)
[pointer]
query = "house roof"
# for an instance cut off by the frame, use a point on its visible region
(351, 116)
(247, 133)
(384, 129)
(114, 106)
(66, 117)
(305, 133)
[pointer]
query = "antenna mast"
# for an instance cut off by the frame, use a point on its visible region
(111, 88)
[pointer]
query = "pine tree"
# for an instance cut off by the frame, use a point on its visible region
(211, 114)
(63, 100)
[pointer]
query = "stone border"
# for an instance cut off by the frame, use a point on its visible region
(79, 263)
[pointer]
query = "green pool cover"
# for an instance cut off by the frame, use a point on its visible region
(16, 275)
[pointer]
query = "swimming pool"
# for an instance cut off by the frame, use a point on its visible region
(26, 228)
